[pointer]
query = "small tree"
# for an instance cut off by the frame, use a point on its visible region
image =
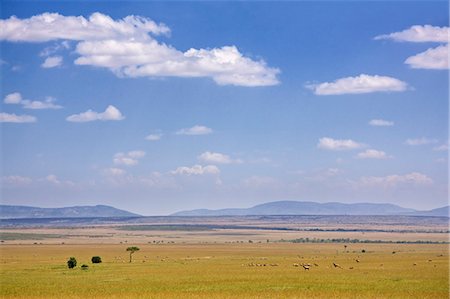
(132, 250)
(96, 259)
(72, 262)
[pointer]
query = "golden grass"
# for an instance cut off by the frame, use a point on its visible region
(226, 271)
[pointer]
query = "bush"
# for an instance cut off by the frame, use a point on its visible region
(72, 262)
(96, 259)
(84, 267)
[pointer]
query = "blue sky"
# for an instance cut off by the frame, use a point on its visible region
(156, 107)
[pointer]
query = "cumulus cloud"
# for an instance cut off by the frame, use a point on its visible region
(128, 159)
(111, 113)
(128, 48)
(196, 170)
(433, 58)
(414, 178)
(13, 118)
(372, 154)
(381, 123)
(51, 62)
(420, 141)
(210, 157)
(195, 130)
(419, 34)
(153, 137)
(327, 143)
(16, 98)
(358, 85)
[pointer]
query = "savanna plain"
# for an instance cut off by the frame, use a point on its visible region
(228, 257)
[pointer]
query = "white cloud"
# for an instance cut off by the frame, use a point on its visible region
(338, 144)
(210, 157)
(16, 98)
(53, 26)
(441, 148)
(113, 171)
(433, 58)
(420, 141)
(51, 178)
(16, 180)
(13, 118)
(381, 123)
(414, 178)
(51, 62)
(196, 170)
(418, 34)
(195, 130)
(128, 159)
(153, 137)
(125, 47)
(111, 113)
(372, 154)
(358, 85)
(13, 98)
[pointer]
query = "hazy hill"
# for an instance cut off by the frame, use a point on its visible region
(305, 208)
(7, 211)
(442, 212)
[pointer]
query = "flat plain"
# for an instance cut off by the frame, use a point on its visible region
(243, 257)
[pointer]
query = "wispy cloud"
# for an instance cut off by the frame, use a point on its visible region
(211, 157)
(111, 113)
(381, 123)
(154, 137)
(420, 141)
(51, 62)
(414, 178)
(13, 118)
(17, 99)
(372, 154)
(128, 48)
(128, 159)
(196, 170)
(195, 130)
(359, 85)
(327, 143)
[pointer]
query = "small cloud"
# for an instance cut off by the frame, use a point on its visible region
(420, 141)
(111, 113)
(17, 99)
(381, 123)
(154, 137)
(327, 143)
(13, 118)
(358, 85)
(195, 130)
(52, 179)
(52, 61)
(433, 58)
(419, 34)
(373, 154)
(414, 178)
(13, 98)
(128, 159)
(210, 157)
(113, 171)
(441, 148)
(196, 170)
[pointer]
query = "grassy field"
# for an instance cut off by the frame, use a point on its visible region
(258, 270)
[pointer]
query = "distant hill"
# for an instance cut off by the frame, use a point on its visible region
(442, 212)
(305, 208)
(7, 211)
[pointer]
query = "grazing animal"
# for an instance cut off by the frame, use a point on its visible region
(306, 267)
(357, 260)
(295, 265)
(337, 265)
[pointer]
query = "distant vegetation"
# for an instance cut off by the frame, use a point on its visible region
(348, 240)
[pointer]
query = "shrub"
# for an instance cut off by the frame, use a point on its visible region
(72, 262)
(96, 259)
(84, 267)
(363, 251)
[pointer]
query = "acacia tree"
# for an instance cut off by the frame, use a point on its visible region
(132, 250)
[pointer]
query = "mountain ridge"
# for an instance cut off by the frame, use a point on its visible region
(15, 211)
(314, 208)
